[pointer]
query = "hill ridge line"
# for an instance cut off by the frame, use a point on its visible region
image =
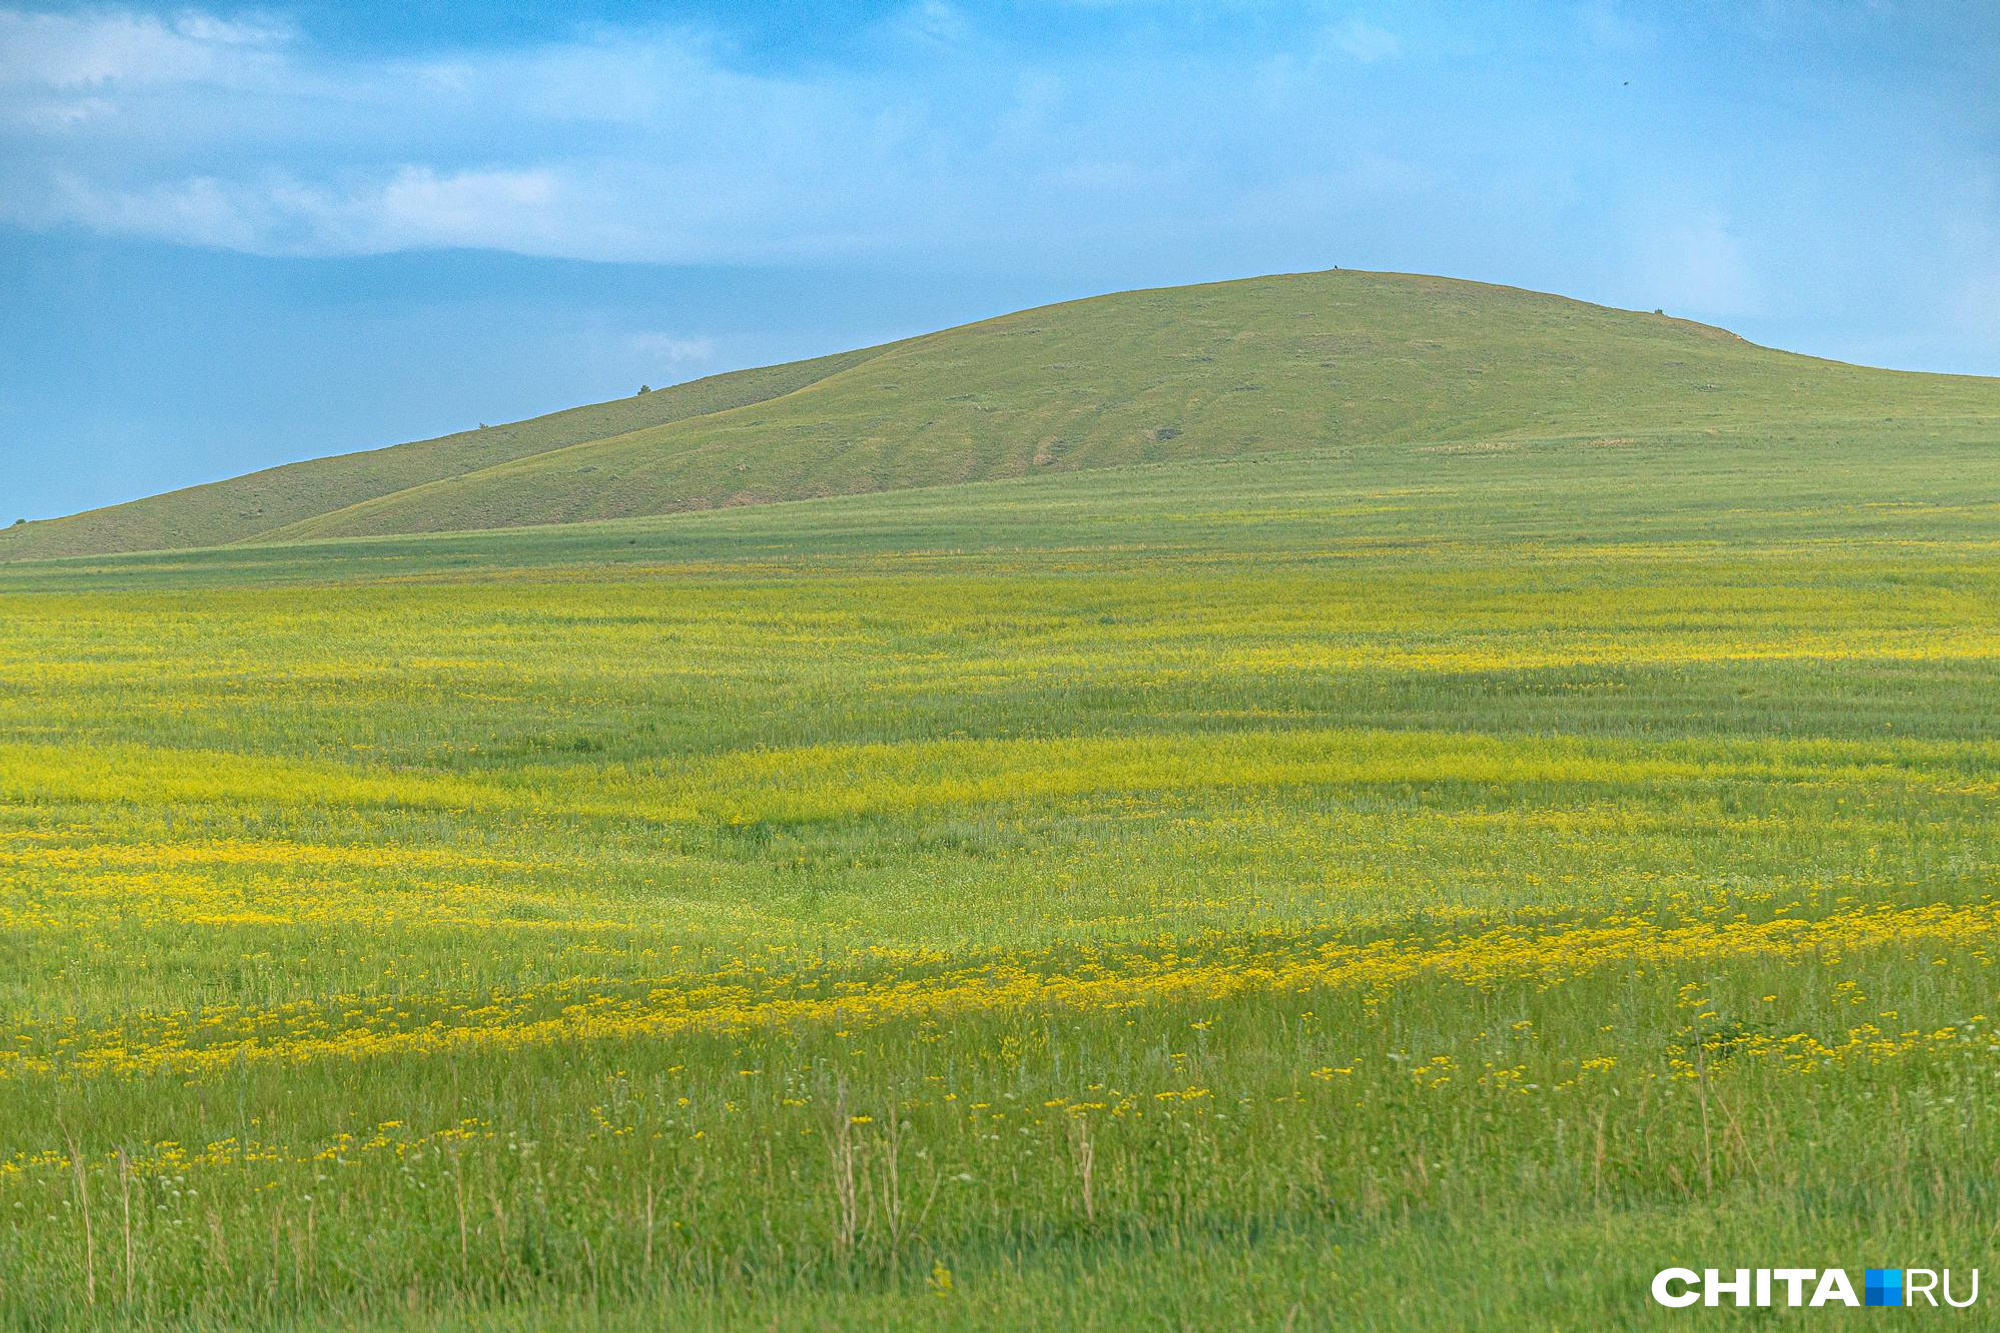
(301, 530)
(1290, 364)
(230, 493)
(856, 357)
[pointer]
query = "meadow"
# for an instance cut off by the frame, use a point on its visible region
(1382, 888)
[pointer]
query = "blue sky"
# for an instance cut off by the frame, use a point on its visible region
(233, 237)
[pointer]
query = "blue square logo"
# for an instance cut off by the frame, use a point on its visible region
(1882, 1286)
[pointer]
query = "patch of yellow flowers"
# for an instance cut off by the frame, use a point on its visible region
(879, 985)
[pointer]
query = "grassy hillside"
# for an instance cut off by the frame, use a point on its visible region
(1313, 363)
(250, 507)
(1416, 888)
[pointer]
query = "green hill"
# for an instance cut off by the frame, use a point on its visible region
(249, 507)
(1308, 363)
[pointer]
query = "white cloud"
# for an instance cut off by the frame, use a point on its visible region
(412, 207)
(626, 146)
(937, 138)
(673, 352)
(94, 50)
(56, 113)
(1611, 30)
(938, 22)
(1363, 41)
(642, 145)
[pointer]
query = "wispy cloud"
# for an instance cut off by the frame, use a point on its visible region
(1363, 41)
(409, 208)
(673, 353)
(626, 145)
(95, 50)
(1209, 137)
(226, 133)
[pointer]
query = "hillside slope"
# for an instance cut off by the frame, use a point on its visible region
(246, 508)
(1303, 363)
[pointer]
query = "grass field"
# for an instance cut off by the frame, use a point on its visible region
(1415, 886)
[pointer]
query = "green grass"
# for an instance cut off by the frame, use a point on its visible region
(1372, 888)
